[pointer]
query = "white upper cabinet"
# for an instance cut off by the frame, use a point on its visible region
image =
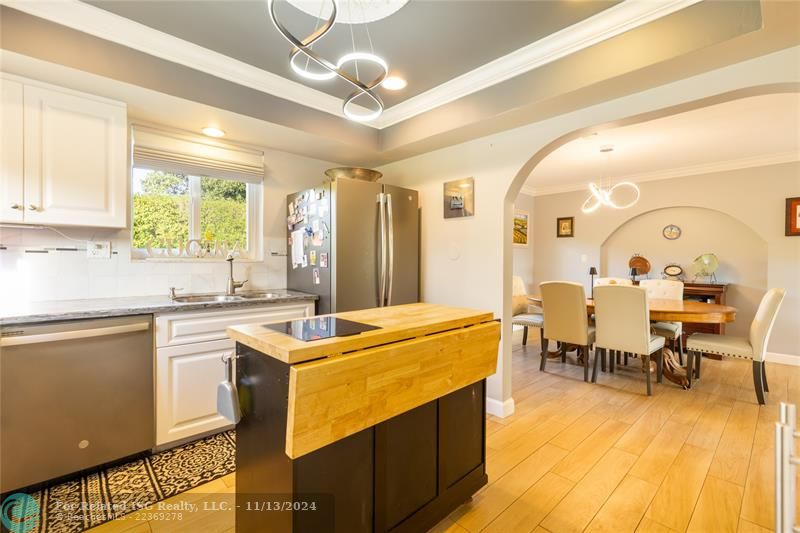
(11, 194)
(73, 148)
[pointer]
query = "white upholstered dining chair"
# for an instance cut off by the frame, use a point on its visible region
(752, 347)
(622, 319)
(522, 313)
(666, 289)
(566, 320)
(600, 282)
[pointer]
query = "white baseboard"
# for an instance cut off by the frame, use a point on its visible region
(782, 358)
(498, 408)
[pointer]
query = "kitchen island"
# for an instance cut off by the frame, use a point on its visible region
(383, 430)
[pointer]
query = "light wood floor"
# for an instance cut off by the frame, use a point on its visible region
(604, 457)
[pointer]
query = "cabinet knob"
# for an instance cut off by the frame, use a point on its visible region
(16, 206)
(32, 207)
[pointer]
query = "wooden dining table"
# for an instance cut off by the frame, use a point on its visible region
(676, 311)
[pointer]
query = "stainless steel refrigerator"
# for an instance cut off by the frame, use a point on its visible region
(354, 243)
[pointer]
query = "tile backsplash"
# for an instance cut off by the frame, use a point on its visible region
(68, 275)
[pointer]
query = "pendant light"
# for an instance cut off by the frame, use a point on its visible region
(605, 196)
(328, 13)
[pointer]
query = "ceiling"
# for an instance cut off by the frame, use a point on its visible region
(747, 132)
(448, 39)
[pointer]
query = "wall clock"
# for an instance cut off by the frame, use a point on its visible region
(671, 232)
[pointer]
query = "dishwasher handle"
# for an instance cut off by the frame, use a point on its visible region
(73, 334)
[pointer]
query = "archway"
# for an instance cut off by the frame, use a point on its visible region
(526, 169)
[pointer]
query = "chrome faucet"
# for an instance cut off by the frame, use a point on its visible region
(232, 283)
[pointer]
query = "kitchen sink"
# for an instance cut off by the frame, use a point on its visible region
(202, 298)
(267, 295)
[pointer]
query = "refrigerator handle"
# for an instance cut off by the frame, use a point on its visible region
(382, 262)
(390, 263)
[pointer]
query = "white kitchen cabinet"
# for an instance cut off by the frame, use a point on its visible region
(11, 193)
(189, 350)
(73, 149)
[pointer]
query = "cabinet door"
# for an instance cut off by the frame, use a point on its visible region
(11, 199)
(186, 389)
(74, 158)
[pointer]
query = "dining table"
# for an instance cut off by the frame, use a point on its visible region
(663, 310)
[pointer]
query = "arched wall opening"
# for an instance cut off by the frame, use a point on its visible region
(741, 251)
(760, 240)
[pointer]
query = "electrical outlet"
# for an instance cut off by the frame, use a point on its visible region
(98, 249)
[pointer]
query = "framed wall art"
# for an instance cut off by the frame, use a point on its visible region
(521, 228)
(793, 217)
(565, 227)
(459, 198)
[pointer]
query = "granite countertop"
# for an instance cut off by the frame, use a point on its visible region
(47, 311)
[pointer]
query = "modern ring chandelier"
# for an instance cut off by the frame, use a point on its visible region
(605, 196)
(330, 12)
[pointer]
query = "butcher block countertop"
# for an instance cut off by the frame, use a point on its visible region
(397, 323)
(342, 385)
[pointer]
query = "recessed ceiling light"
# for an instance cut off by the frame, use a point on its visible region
(394, 83)
(213, 132)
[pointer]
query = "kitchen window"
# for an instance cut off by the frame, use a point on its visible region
(193, 199)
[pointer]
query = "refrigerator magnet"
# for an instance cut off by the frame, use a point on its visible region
(305, 261)
(315, 275)
(323, 260)
(312, 257)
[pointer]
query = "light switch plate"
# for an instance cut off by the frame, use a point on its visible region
(98, 249)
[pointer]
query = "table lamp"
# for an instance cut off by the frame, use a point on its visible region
(592, 274)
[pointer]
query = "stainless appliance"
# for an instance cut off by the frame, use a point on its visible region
(73, 395)
(360, 244)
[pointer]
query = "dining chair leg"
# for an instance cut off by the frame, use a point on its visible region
(764, 376)
(524, 335)
(603, 359)
(563, 352)
(698, 359)
(626, 358)
(545, 342)
(660, 366)
(586, 363)
(646, 362)
(612, 356)
(758, 383)
(689, 369)
(541, 336)
(597, 354)
(680, 349)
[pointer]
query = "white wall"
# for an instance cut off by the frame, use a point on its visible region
(70, 275)
(470, 261)
(523, 255)
(739, 215)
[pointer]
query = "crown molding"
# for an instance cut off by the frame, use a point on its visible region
(609, 23)
(95, 21)
(678, 172)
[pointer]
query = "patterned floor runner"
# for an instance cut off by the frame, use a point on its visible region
(80, 504)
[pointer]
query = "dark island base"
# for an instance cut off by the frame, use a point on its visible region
(404, 474)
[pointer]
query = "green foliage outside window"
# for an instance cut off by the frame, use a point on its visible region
(161, 210)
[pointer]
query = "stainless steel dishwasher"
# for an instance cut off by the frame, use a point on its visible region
(73, 395)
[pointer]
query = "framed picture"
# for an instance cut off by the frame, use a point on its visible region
(793, 217)
(459, 198)
(565, 227)
(520, 228)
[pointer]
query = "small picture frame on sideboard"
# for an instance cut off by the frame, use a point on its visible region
(565, 227)
(793, 217)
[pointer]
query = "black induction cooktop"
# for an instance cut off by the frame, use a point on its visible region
(314, 329)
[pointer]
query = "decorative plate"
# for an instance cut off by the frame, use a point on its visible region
(673, 270)
(640, 263)
(671, 232)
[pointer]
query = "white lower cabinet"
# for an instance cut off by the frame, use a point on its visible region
(189, 350)
(186, 385)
